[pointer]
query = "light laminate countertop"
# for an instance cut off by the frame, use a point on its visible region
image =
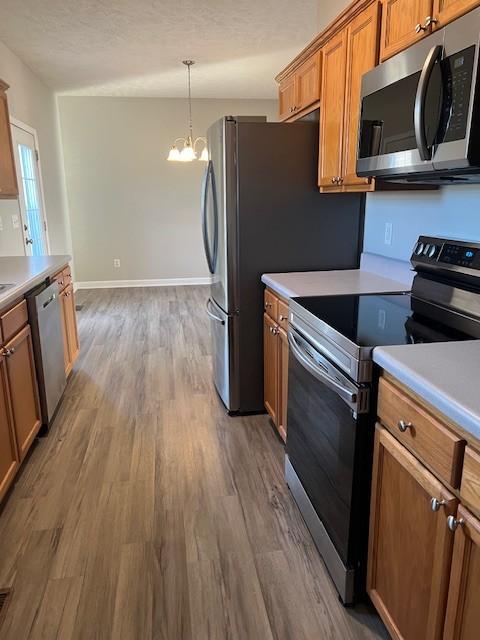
(25, 273)
(444, 374)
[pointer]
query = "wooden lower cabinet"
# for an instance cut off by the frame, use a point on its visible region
(22, 385)
(463, 609)
(275, 349)
(270, 367)
(410, 545)
(9, 459)
(71, 345)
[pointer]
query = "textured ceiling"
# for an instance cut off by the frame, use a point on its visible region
(134, 47)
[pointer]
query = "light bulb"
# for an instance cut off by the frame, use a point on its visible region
(187, 154)
(204, 155)
(174, 154)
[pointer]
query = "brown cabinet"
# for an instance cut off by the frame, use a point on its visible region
(71, 345)
(22, 385)
(9, 459)
(463, 609)
(301, 89)
(346, 57)
(275, 345)
(444, 11)
(8, 176)
(410, 545)
(403, 23)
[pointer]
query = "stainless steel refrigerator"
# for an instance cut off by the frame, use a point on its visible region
(262, 212)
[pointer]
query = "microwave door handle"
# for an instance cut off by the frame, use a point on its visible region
(310, 365)
(420, 99)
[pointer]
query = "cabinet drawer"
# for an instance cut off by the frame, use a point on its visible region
(63, 278)
(470, 487)
(271, 305)
(14, 320)
(282, 318)
(421, 432)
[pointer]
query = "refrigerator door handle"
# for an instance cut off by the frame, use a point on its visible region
(211, 314)
(210, 255)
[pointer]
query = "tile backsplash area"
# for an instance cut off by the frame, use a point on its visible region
(451, 212)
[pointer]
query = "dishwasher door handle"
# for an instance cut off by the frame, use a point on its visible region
(51, 299)
(312, 367)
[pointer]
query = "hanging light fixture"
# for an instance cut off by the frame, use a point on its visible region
(188, 153)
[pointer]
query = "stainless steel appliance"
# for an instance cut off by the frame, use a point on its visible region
(45, 320)
(332, 391)
(262, 212)
(420, 111)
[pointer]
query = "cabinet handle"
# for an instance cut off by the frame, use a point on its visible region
(435, 504)
(453, 523)
(429, 21)
(403, 426)
(8, 352)
(340, 180)
(282, 318)
(420, 27)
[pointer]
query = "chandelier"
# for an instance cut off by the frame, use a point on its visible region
(189, 151)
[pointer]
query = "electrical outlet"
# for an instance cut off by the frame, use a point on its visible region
(116, 263)
(15, 221)
(388, 232)
(1, 223)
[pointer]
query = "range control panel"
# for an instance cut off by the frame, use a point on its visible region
(446, 253)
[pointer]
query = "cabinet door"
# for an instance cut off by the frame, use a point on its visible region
(282, 382)
(8, 448)
(22, 384)
(410, 545)
(8, 176)
(362, 55)
(399, 21)
(71, 324)
(66, 350)
(332, 110)
(307, 79)
(286, 98)
(270, 364)
(444, 11)
(463, 610)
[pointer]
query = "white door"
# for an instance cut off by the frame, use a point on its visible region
(34, 224)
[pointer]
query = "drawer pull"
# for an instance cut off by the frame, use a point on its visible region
(403, 426)
(8, 352)
(453, 523)
(435, 504)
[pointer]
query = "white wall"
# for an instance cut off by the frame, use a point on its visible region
(450, 212)
(35, 104)
(125, 200)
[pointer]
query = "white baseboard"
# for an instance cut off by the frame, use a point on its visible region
(123, 284)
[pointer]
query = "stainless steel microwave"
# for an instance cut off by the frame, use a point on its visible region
(420, 110)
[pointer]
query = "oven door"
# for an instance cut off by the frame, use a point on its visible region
(327, 431)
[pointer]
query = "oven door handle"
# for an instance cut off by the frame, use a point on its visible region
(312, 367)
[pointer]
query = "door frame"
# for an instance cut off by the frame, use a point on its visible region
(14, 122)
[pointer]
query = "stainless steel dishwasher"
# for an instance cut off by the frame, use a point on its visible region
(45, 319)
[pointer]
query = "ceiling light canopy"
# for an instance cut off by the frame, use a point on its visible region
(189, 151)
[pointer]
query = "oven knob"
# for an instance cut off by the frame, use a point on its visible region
(432, 251)
(419, 248)
(426, 249)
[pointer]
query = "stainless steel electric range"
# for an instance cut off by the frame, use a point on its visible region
(332, 391)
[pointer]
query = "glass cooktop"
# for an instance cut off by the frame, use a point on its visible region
(372, 320)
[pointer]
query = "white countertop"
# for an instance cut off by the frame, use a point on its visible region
(445, 374)
(331, 283)
(25, 273)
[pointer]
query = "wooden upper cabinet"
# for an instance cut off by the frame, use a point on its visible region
(8, 449)
(8, 176)
(362, 55)
(286, 98)
(22, 383)
(307, 79)
(463, 610)
(444, 11)
(410, 544)
(334, 56)
(399, 24)
(270, 367)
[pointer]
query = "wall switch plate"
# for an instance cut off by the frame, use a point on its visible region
(116, 263)
(1, 223)
(15, 221)
(388, 233)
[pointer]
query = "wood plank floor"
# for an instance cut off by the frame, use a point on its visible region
(148, 513)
